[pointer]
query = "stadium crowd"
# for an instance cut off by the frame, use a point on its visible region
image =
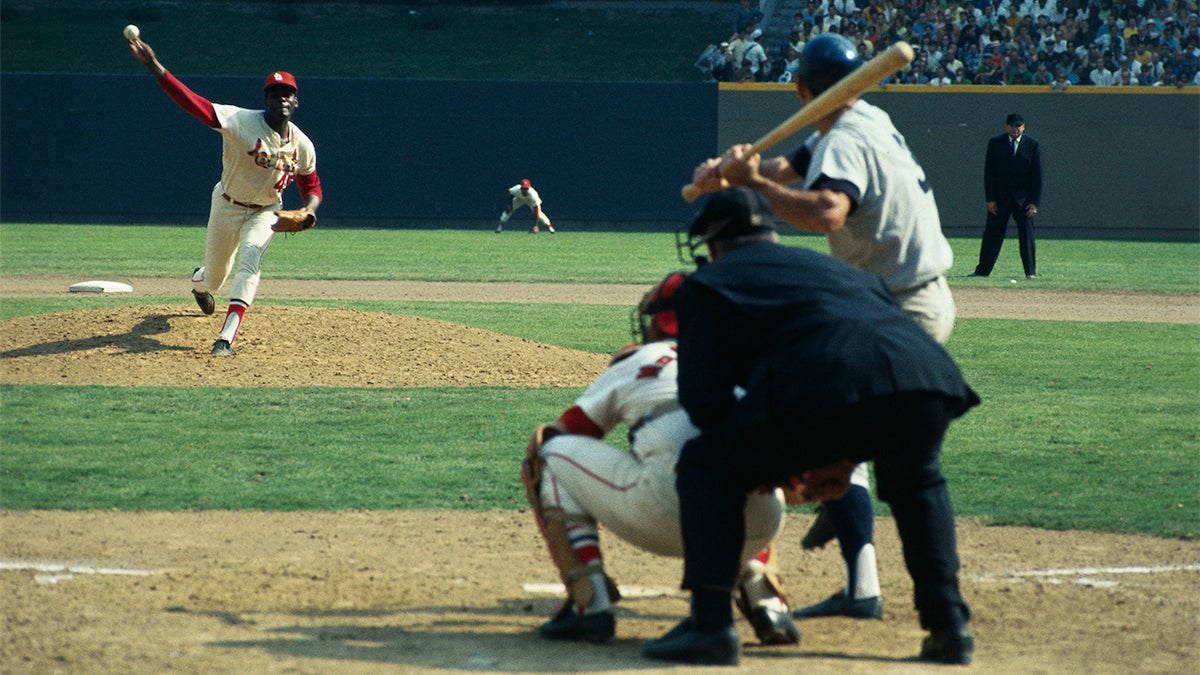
(1056, 43)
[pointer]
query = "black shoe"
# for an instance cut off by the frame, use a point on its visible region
(222, 348)
(820, 533)
(1030, 276)
(840, 605)
(569, 624)
(685, 644)
(977, 274)
(953, 646)
(774, 628)
(205, 301)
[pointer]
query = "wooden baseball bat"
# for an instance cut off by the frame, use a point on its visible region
(864, 77)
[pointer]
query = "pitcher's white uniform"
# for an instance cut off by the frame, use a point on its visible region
(257, 164)
(632, 492)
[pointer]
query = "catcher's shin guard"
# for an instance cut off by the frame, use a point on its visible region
(551, 522)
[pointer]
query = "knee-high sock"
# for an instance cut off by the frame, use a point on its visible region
(853, 520)
(233, 320)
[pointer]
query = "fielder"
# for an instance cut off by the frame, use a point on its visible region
(574, 480)
(863, 188)
(262, 153)
(523, 194)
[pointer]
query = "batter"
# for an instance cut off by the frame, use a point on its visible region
(262, 153)
(862, 188)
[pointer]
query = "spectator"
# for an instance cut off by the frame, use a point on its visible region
(1042, 75)
(941, 77)
(1125, 77)
(737, 48)
(756, 55)
(1060, 82)
(716, 63)
(950, 60)
(1102, 75)
(746, 15)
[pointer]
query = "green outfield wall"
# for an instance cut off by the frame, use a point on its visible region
(441, 153)
(1118, 163)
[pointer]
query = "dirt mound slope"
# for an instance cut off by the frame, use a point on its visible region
(277, 347)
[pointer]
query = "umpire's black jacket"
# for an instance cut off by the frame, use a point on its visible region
(804, 335)
(1008, 176)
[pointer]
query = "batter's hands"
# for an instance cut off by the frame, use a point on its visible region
(1031, 210)
(738, 167)
(707, 176)
(991, 207)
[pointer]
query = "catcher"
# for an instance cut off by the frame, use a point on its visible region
(262, 153)
(574, 480)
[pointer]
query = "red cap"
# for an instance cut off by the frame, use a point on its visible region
(525, 183)
(280, 78)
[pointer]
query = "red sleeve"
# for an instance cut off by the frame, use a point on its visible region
(575, 421)
(309, 185)
(192, 103)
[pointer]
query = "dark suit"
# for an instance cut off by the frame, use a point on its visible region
(1013, 182)
(832, 369)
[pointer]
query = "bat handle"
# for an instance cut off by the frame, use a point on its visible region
(690, 192)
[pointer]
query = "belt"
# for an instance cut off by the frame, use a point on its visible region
(244, 205)
(906, 291)
(655, 412)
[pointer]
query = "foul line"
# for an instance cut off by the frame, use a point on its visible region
(1081, 571)
(58, 568)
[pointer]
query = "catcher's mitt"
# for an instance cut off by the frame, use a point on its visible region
(294, 220)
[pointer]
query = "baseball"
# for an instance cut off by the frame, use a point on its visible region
(131, 32)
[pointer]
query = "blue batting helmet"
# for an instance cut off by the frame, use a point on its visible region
(826, 59)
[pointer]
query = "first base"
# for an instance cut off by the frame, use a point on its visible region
(101, 287)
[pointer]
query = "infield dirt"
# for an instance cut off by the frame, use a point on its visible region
(456, 591)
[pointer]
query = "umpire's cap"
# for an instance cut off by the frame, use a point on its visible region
(729, 214)
(826, 59)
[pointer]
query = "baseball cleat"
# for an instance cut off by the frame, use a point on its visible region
(953, 646)
(774, 628)
(569, 624)
(685, 644)
(552, 230)
(222, 348)
(205, 301)
(840, 605)
(499, 229)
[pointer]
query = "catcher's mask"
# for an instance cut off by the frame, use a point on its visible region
(654, 317)
(729, 214)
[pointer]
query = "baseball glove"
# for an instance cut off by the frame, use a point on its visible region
(295, 220)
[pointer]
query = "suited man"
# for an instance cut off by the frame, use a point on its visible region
(1012, 185)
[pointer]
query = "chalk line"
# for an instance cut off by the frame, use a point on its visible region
(70, 568)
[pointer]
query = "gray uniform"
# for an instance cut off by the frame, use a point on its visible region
(894, 229)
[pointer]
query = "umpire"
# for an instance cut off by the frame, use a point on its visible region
(833, 373)
(1012, 186)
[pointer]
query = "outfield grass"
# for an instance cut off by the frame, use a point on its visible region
(104, 251)
(1084, 425)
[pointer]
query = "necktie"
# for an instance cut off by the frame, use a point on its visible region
(1014, 146)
